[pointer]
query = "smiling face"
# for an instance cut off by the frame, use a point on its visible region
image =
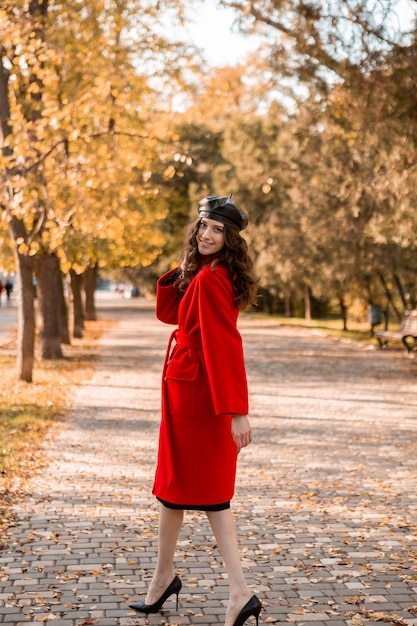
(210, 236)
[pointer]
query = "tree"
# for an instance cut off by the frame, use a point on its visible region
(353, 183)
(66, 102)
(323, 42)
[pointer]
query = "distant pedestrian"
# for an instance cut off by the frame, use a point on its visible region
(204, 397)
(9, 289)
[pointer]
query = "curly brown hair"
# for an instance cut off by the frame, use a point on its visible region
(235, 256)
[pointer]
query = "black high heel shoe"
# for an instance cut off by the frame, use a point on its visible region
(174, 587)
(253, 607)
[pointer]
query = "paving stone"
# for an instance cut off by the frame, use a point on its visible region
(326, 495)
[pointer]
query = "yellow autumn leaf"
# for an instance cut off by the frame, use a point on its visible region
(169, 172)
(23, 248)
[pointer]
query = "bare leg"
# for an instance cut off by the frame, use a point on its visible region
(170, 521)
(224, 529)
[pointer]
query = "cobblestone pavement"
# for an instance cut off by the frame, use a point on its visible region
(326, 497)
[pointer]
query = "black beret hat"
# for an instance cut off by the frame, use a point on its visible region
(223, 209)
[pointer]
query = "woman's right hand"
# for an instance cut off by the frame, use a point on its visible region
(241, 431)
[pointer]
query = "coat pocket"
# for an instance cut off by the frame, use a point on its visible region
(181, 380)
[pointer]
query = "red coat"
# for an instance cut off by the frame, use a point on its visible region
(204, 384)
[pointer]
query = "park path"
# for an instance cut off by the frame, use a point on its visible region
(326, 496)
(8, 322)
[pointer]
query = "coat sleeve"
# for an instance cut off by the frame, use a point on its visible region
(222, 343)
(168, 298)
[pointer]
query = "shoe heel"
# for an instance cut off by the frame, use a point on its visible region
(142, 607)
(253, 607)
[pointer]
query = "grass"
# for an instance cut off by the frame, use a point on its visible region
(333, 327)
(29, 410)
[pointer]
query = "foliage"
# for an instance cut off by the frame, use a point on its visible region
(330, 180)
(81, 150)
(106, 168)
(88, 142)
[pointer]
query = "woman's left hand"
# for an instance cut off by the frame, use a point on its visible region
(241, 431)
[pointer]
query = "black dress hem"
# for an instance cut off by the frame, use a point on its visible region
(195, 507)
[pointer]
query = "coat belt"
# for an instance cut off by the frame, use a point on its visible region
(181, 339)
(193, 343)
(188, 341)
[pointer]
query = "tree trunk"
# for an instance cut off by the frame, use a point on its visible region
(288, 302)
(63, 310)
(343, 312)
(89, 284)
(269, 300)
(389, 296)
(401, 290)
(48, 276)
(26, 317)
(307, 301)
(77, 304)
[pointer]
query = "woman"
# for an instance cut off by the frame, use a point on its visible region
(204, 397)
